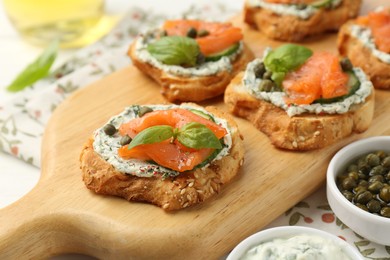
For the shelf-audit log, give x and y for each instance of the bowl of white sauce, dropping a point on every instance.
(294, 242)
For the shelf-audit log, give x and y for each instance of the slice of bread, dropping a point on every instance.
(299, 132)
(362, 56)
(294, 29)
(171, 193)
(195, 88)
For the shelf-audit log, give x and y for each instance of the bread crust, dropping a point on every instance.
(196, 88)
(185, 190)
(294, 29)
(302, 132)
(361, 56)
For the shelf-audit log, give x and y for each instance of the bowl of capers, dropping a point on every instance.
(358, 187)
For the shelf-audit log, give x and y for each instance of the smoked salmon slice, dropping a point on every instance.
(167, 154)
(220, 35)
(176, 117)
(379, 23)
(321, 76)
(172, 155)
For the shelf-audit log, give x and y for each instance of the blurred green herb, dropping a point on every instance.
(36, 70)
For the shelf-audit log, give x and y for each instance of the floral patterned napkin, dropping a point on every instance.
(23, 117)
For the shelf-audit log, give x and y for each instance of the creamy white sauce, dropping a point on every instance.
(300, 247)
(364, 35)
(251, 84)
(286, 9)
(107, 146)
(205, 69)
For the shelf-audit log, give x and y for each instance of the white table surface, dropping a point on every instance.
(17, 178)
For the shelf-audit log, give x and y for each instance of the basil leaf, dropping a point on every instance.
(153, 134)
(284, 59)
(196, 135)
(175, 50)
(36, 70)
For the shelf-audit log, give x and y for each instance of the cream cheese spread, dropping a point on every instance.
(364, 35)
(107, 146)
(300, 247)
(204, 69)
(287, 9)
(251, 84)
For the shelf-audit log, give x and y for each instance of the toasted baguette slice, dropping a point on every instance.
(295, 29)
(196, 88)
(187, 189)
(361, 56)
(302, 132)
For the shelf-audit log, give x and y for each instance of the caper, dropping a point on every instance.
(301, 6)
(192, 33)
(365, 169)
(386, 162)
(200, 58)
(203, 33)
(259, 70)
(109, 129)
(346, 64)
(163, 33)
(363, 197)
(381, 154)
(348, 183)
(359, 189)
(374, 206)
(362, 206)
(125, 140)
(144, 110)
(385, 211)
(373, 159)
(352, 168)
(377, 170)
(363, 183)
(366, 182)
(353, 175)
(384, 194)
(362, 176)
(266, 85)
(361, 160)
(375, 178)
(348, 195)
(375, 187)
(267, 75)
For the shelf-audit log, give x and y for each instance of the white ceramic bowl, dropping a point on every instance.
(370, 226)
(286, 232)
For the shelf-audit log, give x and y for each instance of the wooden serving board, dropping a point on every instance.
(60, 215)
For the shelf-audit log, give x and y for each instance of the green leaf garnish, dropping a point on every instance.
(36, 70)
(196, 135)
(175, 50)
(154, 134)
(193, 135)
(284, 59)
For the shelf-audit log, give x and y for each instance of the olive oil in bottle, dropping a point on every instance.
(72, 22)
